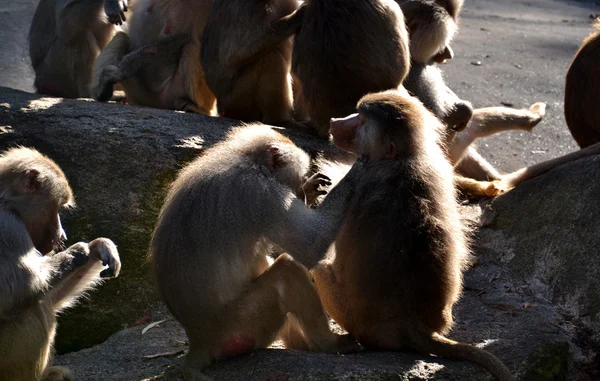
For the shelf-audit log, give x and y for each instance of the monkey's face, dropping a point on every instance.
(45, 228)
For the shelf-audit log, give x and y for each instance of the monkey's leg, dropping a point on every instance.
(473, 165)
(204, 101)
(331, 293)
(513, 179)
(285, 288)
(492, 120)
(106, 69)
(475, 189)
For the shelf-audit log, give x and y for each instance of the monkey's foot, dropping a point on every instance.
(57, 373)
(539, 111)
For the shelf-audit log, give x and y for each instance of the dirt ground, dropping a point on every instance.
(524, 47)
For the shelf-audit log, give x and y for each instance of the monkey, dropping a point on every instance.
(35, 282)
(65, 38)
(582, 92)
(247, 67)
(343, 50)
(157, 62)
(398, 260)
(431, 24)
(223, 213)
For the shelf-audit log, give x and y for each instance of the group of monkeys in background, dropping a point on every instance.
(378, 226)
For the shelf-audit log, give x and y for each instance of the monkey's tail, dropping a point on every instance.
(441, 346)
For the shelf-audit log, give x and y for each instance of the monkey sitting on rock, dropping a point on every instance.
(35, 284)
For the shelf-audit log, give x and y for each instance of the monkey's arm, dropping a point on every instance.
(85, 271)
(23, 273)
(74, 17)
(307, 233)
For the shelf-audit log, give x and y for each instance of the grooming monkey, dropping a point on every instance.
(35, 285)
(65, 38)
(158, 61)
(211, 267)
(582, 91)
(247, 67)
(401, 251)
(344, 50)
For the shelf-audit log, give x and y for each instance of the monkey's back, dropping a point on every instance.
(401, 250)
(582, 92)
(339, 54)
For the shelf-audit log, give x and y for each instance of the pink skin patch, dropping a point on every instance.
(150, 9)
(167, 29)
(237, 345)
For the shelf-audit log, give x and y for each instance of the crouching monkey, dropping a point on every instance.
(65, 38)
(209, 251)
(35, 286)
(401, 252)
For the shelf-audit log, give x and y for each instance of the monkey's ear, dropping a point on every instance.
(274, 156)
(32, 183)
(392, 152)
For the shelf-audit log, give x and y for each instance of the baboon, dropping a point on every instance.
(344, 50)
(223, 214)
(158, 61)
(401, 251)
(582, 91)
(35, 284)
(248, 67)
(65, 38)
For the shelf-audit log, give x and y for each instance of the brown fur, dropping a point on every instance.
(582, 91)
(344, 50)
(401, 252)
(35, 286)
(158, 60)
(431, 26)
(247, 67)
(65, 38)
(211, 267)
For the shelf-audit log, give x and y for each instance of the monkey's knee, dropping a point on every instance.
(460, 115)
(58, 373)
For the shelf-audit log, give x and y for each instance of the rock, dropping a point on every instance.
(537, 312)
(119, 160)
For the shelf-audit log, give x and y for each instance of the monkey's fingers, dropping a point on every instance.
(321, 176)
(106, 251)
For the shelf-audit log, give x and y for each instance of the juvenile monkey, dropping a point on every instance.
(158, 61)
(582, 91)
(211, 267)
(402, 250)
(247, 67)
(344, 50)
(35, 285)
(65, 38)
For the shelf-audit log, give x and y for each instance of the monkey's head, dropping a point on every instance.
(431, 29)
(387, 125)
(272, 151)
(34, 188)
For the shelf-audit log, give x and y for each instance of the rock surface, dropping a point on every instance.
(524, 300)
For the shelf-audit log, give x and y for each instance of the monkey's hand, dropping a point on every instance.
(316, 185)
(115, 11)
(103, 249)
